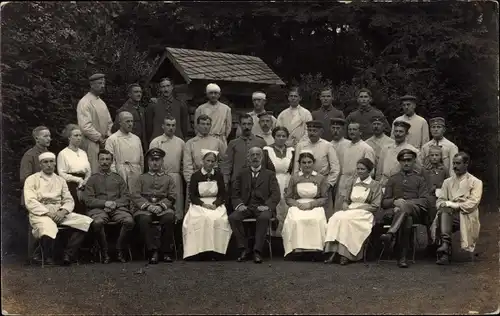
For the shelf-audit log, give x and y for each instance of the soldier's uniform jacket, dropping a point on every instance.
(153, 189)
(102, 187)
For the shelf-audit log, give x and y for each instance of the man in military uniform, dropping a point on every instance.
(108, 199)
(154, 197)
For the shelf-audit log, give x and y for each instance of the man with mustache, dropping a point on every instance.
(379, 139)
(458, 209)
(327, 112)
(133, 105)
(419, 133)
(50, 204)
(94, 120)
(128, 157)
(255, 194)
(405, 202)
(166, 105)
(266, 123)
(388, 163)
(365, 113)
(108, 199)
(235, 158)
(294, 118)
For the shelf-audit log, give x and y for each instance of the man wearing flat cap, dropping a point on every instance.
(153, 197)
(327, 162)
(220, 113)
(49, 204)
(365, 112)
(388, 163)
(327, 112)
(405, 202)
(259, 102)
(448, 149)
(94, 120)
(379, 139)
(419, 132)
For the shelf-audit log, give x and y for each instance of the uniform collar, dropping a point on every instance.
(256, 169)
(159, 173)
(46, 177)
(365, 181)
(314, 173)
(252, 136)
(204, 172)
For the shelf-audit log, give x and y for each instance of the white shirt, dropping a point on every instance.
(70, 161)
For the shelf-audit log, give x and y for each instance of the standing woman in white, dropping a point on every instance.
(349, 227)
(280, 156)
(73, 165)
(304, 228)
(206, 227)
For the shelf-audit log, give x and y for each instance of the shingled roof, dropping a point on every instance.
(203, 65)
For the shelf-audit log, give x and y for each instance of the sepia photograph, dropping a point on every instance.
(250, 157)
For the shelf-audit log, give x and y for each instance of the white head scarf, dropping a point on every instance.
(46, 155)
(204, 152)
(212, 87)
(259, 95)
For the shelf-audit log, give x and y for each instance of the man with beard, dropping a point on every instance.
(355, 150)
(94, 120)
(235, 158)
(133, 106)
(107, 199)
(294, 118)
(448, 149)
(255, 194)
(388, 163)
(327, 163)
(50, 204)
(327, 112)
(127, 150)
(419, 133)
(219, 112)
(365, 113)
(378, 140)
(30, 165)
(458, 209)
(166, 105)
(172, 163)
(404, 203)
(259, 102)
(266, 123)
(153, 197)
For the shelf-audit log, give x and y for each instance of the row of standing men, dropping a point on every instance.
(279, 144)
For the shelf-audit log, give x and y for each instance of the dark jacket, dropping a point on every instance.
(266, 191)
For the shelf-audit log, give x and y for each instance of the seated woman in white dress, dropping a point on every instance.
(279, 157)
(304, 228)
(206, 227)
(349, 227)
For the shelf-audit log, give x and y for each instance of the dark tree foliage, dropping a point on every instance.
(444, 53)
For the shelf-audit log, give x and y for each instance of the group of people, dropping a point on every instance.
(296, 175)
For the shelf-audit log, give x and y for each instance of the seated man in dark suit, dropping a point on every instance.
(405, 202)
(255, 194)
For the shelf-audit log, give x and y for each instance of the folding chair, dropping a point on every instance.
(413, 242)
(31, 250)
(157, 224)
(268, 235)
(96, 244)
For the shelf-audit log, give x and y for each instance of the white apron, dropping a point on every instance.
(304, 229)
(203, 229)
(45, 226)
(351, 227)
(281, 165)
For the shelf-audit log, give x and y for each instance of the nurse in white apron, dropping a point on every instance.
(350, 227)
(206, 227)
(304, 228)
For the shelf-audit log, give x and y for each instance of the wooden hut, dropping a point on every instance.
(237, 75)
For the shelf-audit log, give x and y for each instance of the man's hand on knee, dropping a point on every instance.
(262, 208)
(399, 203)
(242, 208)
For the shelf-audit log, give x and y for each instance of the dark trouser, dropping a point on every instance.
(166, 221)
(75, 240)
(401, 220)
(73, 189)
(448, 222)
(101, 218)
(262, 224)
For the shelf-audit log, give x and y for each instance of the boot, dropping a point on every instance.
(344, 261)
(402, 262)
(444, 248)
(120, 257)
(444, 259)
(154, 257)
(105, 257)
(47, 245)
